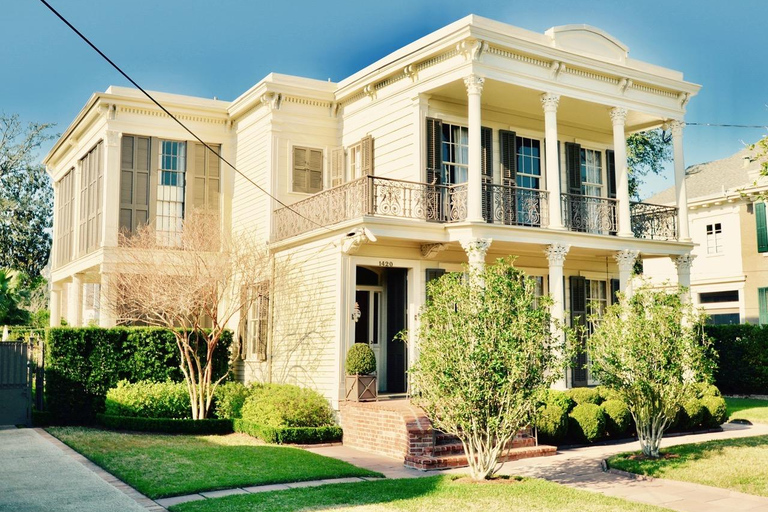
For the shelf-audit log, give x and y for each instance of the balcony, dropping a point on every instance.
(505, 205)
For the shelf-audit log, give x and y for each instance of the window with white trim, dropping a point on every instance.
(714, 238)
(528, 152)
(170, 191)
(597, 300)
(257, 322)
(355, 154)
(455, 150)
(591, 172)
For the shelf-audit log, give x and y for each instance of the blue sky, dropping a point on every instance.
(206, 48)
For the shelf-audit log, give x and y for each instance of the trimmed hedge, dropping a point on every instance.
(587, 422)
(83, 363)
(285, 405)
(552, 424)
(166, 425)
(742, 358)
(618, 420)
(230, 397)
(147, 399)
(289, 435)
(585, 395)
(717, 411)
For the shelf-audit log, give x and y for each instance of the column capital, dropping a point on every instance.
(683, 262)
(476, 248)
(618, 116)
(474, 84)
(556, 254)
(676, 127)
(626, 259)
(549, 102)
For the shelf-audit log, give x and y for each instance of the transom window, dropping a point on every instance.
(455, 148)
(528, 152)
(714, 238)
(591, 172)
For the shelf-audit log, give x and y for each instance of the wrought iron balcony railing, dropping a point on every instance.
(653, 221)
(515, 206)
(511, 206)
(589, 214)
(372, 195)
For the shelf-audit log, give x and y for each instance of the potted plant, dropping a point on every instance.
(360, 364)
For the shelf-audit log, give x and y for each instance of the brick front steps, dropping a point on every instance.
(398, 429)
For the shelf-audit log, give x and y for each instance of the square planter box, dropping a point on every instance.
(361, 388)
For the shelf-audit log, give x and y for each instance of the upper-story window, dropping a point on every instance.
(170, 191)
(714, 238)
(528, 152)
(91, 194)
(65, 200)
(307, 170)
(591, 172)
(455, 154)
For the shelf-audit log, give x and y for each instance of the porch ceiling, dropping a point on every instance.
(526, 102)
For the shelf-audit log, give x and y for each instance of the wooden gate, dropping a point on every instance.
(15, 384)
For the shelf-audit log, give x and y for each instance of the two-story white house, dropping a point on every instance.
(729, 275)
(477, 141)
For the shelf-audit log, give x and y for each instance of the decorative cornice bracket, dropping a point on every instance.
(429, 251)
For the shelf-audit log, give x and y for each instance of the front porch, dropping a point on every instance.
(398, 429)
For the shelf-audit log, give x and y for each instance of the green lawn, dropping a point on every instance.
(167, 465)
(431, 494)
(750, 409)
(735, 464)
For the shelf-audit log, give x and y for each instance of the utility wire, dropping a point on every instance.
(726, 125)
(76, 31)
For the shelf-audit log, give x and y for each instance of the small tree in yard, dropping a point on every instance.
(191, 284)
(650, 349)
(486, 352)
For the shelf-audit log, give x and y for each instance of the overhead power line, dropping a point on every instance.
(218, 155)
(764, 127)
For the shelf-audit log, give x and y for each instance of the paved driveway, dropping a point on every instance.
(37, 476)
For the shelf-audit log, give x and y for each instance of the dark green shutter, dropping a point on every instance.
(434, 150)
(762, 304)
(135, 182)
(614, 291)
(486, 140)
(762, 228)
(610, 160)
(573, 167)
(432, 274)
(579, 318)
(508, 159)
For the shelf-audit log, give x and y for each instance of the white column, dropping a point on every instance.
(556, 256)
(110, 208)
(55, 305)
(680, 190)
(619, 117)
(75, 306)
(626, 261)
(683, 264)
(107, 315)
(476, 249)
(549, 103)
(475, 180)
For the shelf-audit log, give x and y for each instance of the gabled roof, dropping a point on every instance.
(718, 178)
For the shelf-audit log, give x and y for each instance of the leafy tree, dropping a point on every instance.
(12, 294)
(646, 154)
(651, 350)
(486, 353)
(26, 197)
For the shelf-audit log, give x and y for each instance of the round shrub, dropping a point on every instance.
(230, 398)
(146, 399)
(587, 422)
(607, 394)
(360, 360)
(717, 411)
(584, 395)
(703, 389)
(285, 405)
(618, 419)
(559, 399)
(552, 424)
(692, 414)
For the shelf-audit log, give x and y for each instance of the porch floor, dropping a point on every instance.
(398, 429)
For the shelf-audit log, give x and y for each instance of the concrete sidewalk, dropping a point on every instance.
(580, 468)
(36, 475)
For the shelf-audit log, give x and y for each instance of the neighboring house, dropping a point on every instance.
(478, 141)
(729, 275)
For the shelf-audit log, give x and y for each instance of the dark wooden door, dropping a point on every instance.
(397, 354)
(15, 384)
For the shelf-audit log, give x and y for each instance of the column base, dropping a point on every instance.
(626, 234)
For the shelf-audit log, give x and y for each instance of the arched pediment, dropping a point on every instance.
(590, 41)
